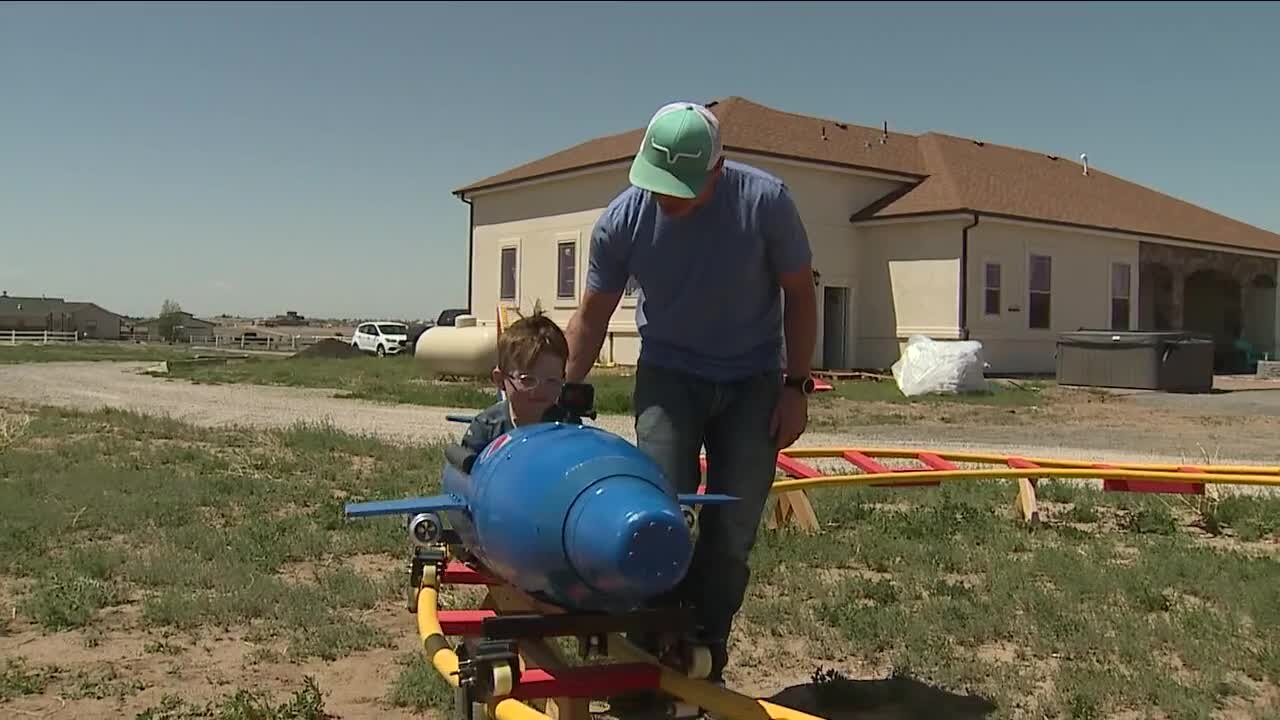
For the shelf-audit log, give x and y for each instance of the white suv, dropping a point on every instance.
(381, 338)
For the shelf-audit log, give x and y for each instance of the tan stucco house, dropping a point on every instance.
(912, 234)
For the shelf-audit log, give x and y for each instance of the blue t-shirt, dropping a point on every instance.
(709, 302)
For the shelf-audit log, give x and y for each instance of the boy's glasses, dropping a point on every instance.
(525, 381)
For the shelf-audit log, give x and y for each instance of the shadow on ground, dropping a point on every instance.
(895, 698)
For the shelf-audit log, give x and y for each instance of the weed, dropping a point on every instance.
(305, 704)
(17, 679)
(419, 686)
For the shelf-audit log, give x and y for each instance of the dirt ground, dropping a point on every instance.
(1238, 424)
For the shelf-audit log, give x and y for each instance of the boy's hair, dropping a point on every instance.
(520, 345)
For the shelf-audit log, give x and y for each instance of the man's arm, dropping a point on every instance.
(800, 320)
(586, 331)
(792, 260)
(607, 275)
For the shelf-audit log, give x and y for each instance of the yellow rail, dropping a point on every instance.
(917, 476)
(996, 459)
(724, 703)
(793, 502)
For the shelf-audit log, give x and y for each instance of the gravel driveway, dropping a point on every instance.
(93, 385)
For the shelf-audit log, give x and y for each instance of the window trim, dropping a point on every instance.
(512, 244)
(999, 288)
(573, 238)
(1032, 256)
(1112, 297)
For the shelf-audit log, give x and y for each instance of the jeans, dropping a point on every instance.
(676, 414)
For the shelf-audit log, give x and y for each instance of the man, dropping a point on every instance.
(710, 244)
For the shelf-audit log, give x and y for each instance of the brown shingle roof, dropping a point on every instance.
(744, 126)
(955, 174)
(999, 180)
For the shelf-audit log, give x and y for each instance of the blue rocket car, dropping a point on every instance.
(570, 514)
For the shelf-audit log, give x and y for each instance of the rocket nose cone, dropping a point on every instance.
(626, 537)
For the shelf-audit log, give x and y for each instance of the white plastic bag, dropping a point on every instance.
(928, 366)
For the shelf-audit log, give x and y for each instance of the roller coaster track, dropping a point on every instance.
(938, 466)
(567, 689)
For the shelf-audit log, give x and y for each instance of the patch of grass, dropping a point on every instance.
(18, 679)
(1023, 394)
(90, 351)
(198, 526)
(950, 585)
(418, 686)
(401, 380)
(1251, 517)
(395, 379)
(305, 704)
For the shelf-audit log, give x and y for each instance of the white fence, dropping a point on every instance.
(269, 343)
(43, 337)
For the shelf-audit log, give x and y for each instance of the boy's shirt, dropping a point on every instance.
(496, 420)
(488, 426)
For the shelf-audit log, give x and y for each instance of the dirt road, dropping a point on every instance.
(1131, 429)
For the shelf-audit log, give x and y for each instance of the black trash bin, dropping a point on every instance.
(1168, 361)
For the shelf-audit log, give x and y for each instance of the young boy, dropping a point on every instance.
(531, 362)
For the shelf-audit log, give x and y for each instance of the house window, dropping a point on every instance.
(991, 289)
(631, 288)
(1041, 281)
(507, 282)
(1120, 296)
(566, 269)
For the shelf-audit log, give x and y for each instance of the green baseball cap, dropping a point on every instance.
(680, 148)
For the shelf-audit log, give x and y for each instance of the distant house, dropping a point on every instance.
(35, 314)
(186, 326)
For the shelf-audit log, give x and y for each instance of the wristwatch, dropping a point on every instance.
(803, 384)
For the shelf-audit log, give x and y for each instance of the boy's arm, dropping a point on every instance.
(477, 436)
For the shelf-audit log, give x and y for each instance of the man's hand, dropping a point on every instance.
(790, 417)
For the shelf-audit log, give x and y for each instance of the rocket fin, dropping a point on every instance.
(407, 506)
(696, 499)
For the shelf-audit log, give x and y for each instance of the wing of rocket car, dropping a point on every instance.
(692, 499)
(407, 506)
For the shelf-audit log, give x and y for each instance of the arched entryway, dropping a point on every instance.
(1211, 304)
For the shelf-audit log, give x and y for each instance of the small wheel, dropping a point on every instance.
(690, 517)
(699, 662)
(503, 679)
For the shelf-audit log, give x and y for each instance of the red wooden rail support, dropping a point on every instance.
(456, 573)
(463, 623)
(1153, 486)
(1026, 502)
(589, 681)
(794, 504)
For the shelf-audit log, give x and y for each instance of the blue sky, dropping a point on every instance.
(254, 158)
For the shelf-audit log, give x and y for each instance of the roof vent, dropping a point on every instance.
(824, 132)
(1052, 157)
(1084, 160)
(842, 126)
(979, 143)
(884, 134)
